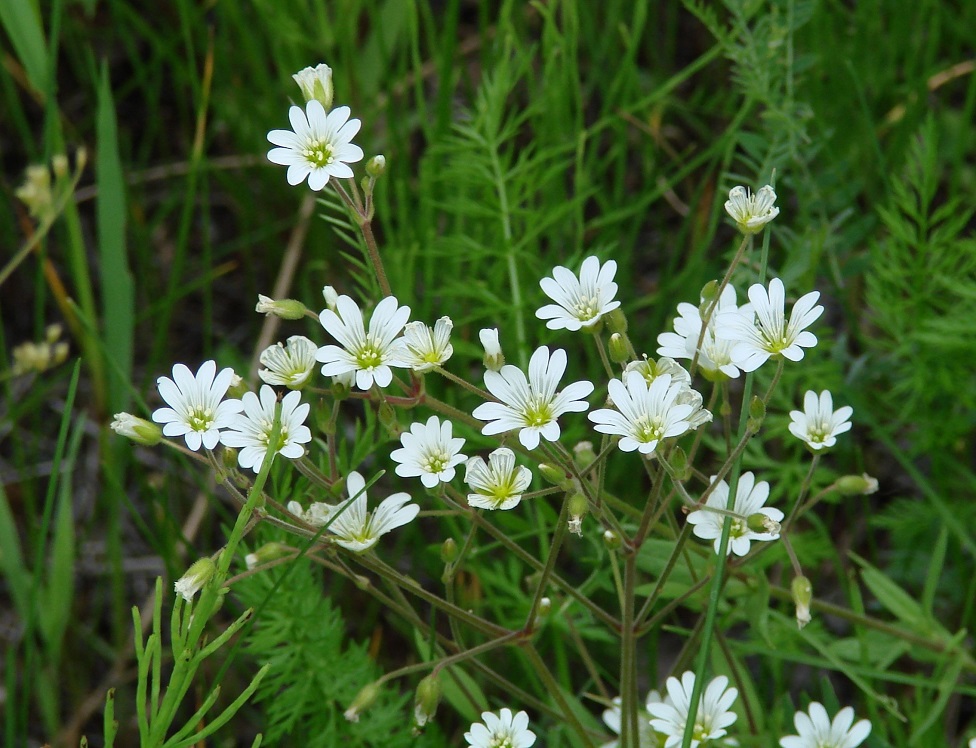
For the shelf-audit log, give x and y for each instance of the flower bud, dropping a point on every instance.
(856, 485)
(616, 321)
(266, 554)
(138, 430)
(802, 597)
(376, 166)
(363, 701)
(388, 419)
(284, 308)
(195, 578)
(494, 358)
(611, 540)
(757, 414)
(426, 699)
(619, 350)
(229, 457)
(237, 387)
(578, 508)
(316, 83)
(679, 464)
(545, 606)
(584, 455)
(449, 551)
(709, 292)
(557, 477)
(59, 165)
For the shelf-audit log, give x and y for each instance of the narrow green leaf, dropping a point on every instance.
(12, 561)
(22, 23)
(118, 295)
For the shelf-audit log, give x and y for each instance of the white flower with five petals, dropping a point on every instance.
(250, 431)
(195, 409)
(429, 451)
(751, 211)
(499, 484)
(353, 526)
(816, 730)
(502, 730)
(288, 365)
(714, 356)
(818, 424)
(750, 500)
(643, 415)
(531, 404)
(770, 333)
(582, 301)
(369, 354)
(423, 348)
(318, 146)
(711, 719)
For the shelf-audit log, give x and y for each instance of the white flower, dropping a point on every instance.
(532, 404)
(819, 424)
(316, 83)
(195, 409)
(423, 348)
(499, 484)
(494, 358)
(643, 415)
(647, 736)
(770, 334)
(715, 353)
(250, 432)
(355, 528)
(750, 498)
(320, 146)
(817, 731)
(713, 714)
(651, 370)
(429, 451)
(196, 577)
(289, 365)
(370, 354)
(580, 302)
(502, 730)
(751, 211)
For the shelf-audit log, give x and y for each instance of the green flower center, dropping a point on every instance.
(318, 152)
(586, 307)
(369, 355)
(201, 419)
(649, 429)
(435, 462)
(501, 741)
(739, 528)
(538, 413)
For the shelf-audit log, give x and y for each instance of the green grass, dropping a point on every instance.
(518, 136)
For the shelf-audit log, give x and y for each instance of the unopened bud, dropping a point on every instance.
(195, 578)
(388, 419)
(545, 606)
(709, 291)
(363, 701)
(426, 699)
(578, 508)
(583, 455)
(757, 411)
(229, 457)
(611, 540)
(237, 387)
(52, 333)
(802, 597)
(138, 430)
(759, 522)
(316, 83)
(557, 477)
(494, 358)
(616, 321)
(284, 308)
(59, 165)
(376, 166)
(619, 350)
(856, 485)
(679, 464)
(342, 385)
(266, 554)
(449, 551)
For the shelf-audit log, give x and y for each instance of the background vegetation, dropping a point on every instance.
(518, 136)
